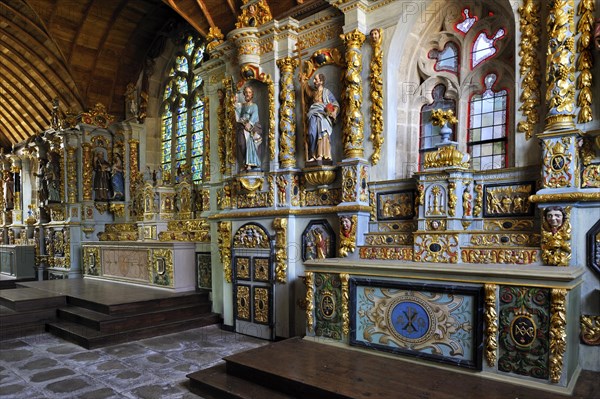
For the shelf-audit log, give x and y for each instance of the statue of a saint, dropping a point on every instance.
(52, 176)
(118, 179)
(320, 118)
(249, 131)
(101, 178)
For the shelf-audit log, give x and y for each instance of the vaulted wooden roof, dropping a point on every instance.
(85, 52)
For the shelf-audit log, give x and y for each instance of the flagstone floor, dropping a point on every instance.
(44, 366)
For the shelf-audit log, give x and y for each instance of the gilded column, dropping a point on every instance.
(221, 134)
(87, 171)
(585, 61)
(72, 175)
(310, 297)
(281, 256)
(345, 277)
(529, 66)
(229, 123)
(224, 231)
(491, 324)
(376, 91)
(560, 65)
(206, 166)
(558, 335)
(353, 125)
(287, 114)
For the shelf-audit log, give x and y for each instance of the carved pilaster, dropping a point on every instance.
(224, 231)
(287, 114)
(72, 174)
(491, 324)
(529, 66)
(281, 256)
(344, 277)
(560, 65)
(87, 170)
(206, 166)
(353, 122)
(558, 335)
(310, 297)
(376, 93)
(585, 62)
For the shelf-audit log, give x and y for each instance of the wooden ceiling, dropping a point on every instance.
(85, 52)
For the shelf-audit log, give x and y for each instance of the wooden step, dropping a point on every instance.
(17, 324)
(215, 383)
(126, 308)
(91, 338)
(109, 322)
(24, 299)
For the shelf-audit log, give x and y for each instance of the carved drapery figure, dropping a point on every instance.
(52, 176)
(101, 178)
(321, 116)
(9, 191)
(249, 131)
(118, 179)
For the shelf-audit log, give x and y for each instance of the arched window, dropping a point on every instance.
(471, 53)
(430, 134)
(182, 119)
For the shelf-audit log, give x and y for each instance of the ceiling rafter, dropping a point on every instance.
(102, 43)
(16, 73)
(24, 63)
(17, 101)
(86, 14)
(18, 96)
(204, 10)
(41, 46)
(232, 7)
(40, 108)
(18, 119)
(187, 17)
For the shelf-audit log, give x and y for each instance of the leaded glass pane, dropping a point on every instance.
(197, 164)
(430, 134)
(182, 64)
(189, 46)
(447, 59)
(182, 84)
(483, 47)
(199, 55)
(467, 23)
(197, 82)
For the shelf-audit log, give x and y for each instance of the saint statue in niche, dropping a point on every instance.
(118, 179)
(101, 178)
(320, 118)
(249, 131)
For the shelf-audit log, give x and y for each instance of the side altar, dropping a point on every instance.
(156, 264)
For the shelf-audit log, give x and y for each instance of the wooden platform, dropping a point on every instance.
(96, 313)
(298, 368)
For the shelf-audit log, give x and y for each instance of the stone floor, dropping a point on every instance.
(44, 366)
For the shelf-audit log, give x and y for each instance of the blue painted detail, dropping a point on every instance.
(410, 320)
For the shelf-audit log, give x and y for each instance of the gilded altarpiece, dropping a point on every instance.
(328, 300)
(429, 321)
(523, 331)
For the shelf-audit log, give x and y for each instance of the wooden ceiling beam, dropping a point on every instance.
(232, 7)
(16, 73)
(102, 44)
(33, 99)
(204, 10)
(24, 110)
(185, 16)
(86, 14)
(28, 64)
(17, 120)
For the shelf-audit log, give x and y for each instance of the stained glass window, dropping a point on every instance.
(487, 127)
(447, 59)
(182, 131)
(467, 22)
(483, 47)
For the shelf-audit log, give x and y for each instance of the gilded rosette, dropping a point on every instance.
(585, 61)
(353, 122)
(560, 65)
(529, 66)
(287, 114)
(558, 334)
(491, 324)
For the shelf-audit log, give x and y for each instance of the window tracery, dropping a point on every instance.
(455, 60)
(182, 119)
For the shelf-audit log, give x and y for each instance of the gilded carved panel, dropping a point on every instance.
(506, 200)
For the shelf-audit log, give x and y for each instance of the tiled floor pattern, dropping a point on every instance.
(44, 366)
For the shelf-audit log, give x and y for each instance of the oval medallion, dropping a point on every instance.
(523, 331)
(327, 305)
(410, 320)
